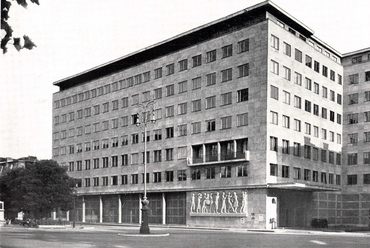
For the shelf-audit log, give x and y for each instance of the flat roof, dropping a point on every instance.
(181, 41)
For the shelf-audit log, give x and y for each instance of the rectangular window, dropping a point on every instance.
(366, 178)
(307, 151)
(286, 97)
(353, 99)
(226, 98)
(325, 71)
(243, 70)
(287, 49)
(273, 144)
(353, 78)
(170, 90)
(226, 75)
(298, 55)
(306, 175)
(134, 178)
(181, 175)
(367, 76)
(297, 149)
(332, 75)
(316, 66)
(158, 93)
(211, 56)
(183, 86)
(182, 130)
(242, 119)
(182, 108)
(286, 121)
(124, 158)
(352, 179)
(275, 42)
(285, 148)
(297, 78)
(297, 102)
(308, 84)
(315, 176)
(297, 173)
(367, 96)
(323, 177)
(157, 177)
(227, 51)
(225, 171)
(169, 176)
(316, 109)
(274, 170)
(183, 65)
(274, 67)
(195, 174)
(226, 122)
(170, 111)
(366, 136)
(211, 79)
(308, 61)
(158, 73)
(297, 125)
(211, 125)
(197, 83)
(243, 46)
(196, 127)
(316, 88)
(196, 105)
(307, 106)
(169, 154)
(353, 118)
(210, 172)
(274, 117)
(274, 92)
(287, 73)
(197, 60)
(170, 69)
(352, 158)
(241, 171)
(210, 102)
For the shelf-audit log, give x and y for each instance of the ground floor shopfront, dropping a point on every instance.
(262, 208)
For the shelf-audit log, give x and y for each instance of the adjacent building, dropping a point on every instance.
(248, 132)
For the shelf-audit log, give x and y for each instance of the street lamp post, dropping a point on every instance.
(147, 117)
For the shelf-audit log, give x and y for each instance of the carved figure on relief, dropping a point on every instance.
(199, 207)
(211, 203)
(206, 202)
(192, 208)
(229, 203)
(217, 198)
(244, 207)
(223, 205)
(235, 202)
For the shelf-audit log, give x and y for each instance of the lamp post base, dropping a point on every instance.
(144, 229)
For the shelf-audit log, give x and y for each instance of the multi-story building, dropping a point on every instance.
(248, 127)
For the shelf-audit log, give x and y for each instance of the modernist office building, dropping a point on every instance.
(249, 115)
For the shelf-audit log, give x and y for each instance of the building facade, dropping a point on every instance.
(248, 131)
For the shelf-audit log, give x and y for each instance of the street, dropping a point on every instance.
(102, 236)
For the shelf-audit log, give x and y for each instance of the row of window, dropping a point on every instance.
(354, 98)
(308, 175)
(242, 95)
(211, 56)
(310, 42)
(309, 62)
(353, 138)
(309, 151)
(352, 179)
(169, 176)
(352, 158)
(359, 59)
(354, 78)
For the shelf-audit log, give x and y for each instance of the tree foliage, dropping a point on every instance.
(5, 7)
(37, 189)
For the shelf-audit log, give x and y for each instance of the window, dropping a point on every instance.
(105, 125)
(125, 102)
(357, 59)
(316, 109)
(274, 117)
(157, 134)
(182, 108)
(298, 55)
(308, 84)
(197, 60)
(243, 70)
(96, 145)
(366, 178)
(297, 173)
(323, 177)
(182, 152)
(241, 171)
(170, 90)
(225, 171)
(306, 175)
(274, 170)
(297, 149)
(242, 119)
(274, 92)
(325, 71)
(210, 102)
(170, 111)
(307, 151)
(182, 130)
(315, 176)
(323, 156)
(332, 75)
(226, 98)
(170, 69)
(226, 122)
(157, 177)
(196, 127)
(286, 97)
(353, 79)
(183, 86)
(158, 73)
(366, 136)
(352, 158)
(227, 51)
(324, 113)
(96, 181)
(96, 163)
(184, 64)
(287, 49)
(339, 99)
(353, 99)
(307, 106)
(351, 179)
(353, 118)
(367, 76)
(124, 158)
(308, 61)
(211, 79)
(286, 121)
(243, 46)
(274, 67)
(196, 105)
(297, 102)
(297, 78)
(134, 178)
(195, 174)
(316, 88)
(323, 133)
(210, 172)
(285, 148)
(316, 66)
(211, 125)
(297, 125)
(181, 175)
(211, 56)
(158, 93)
(287, 73)
(124, 179)
(275, 42)
(169, 132)
(169, 176)
(105, 162)
(134, 138)
(197, 83)
(339, 138)
(366, 157)
(226, 75)
(169, 154)
(367, 96)
(273, 144)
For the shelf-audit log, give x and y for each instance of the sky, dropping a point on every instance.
(74, 36)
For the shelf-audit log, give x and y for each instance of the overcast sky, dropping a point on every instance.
(73, 36)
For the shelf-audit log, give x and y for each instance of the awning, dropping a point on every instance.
(301, 186)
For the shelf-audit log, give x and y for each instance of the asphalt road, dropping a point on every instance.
(123, 237)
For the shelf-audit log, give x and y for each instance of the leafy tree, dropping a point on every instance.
(5, 7)
(37, 189)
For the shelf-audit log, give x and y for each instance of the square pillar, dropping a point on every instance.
(100, 209)
(83, 210)
(163, 208)
(119, 209)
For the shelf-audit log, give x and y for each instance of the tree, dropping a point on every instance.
(27, 43)
(37, 189)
